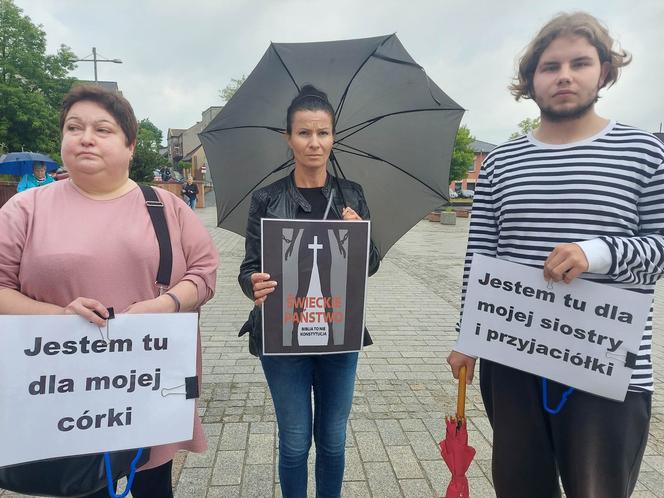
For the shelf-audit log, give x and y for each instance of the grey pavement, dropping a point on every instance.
(404, 387)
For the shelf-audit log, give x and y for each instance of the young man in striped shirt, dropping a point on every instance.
(580, 195)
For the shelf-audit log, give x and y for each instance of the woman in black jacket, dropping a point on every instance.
(304, 194)
(190, 192)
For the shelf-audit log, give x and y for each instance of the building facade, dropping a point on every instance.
(184, 145)
(481, 149)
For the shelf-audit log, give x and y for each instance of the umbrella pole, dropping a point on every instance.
(335, 164)
(461, 396)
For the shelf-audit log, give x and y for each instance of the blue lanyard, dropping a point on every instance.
(130, 477)
(562, 402)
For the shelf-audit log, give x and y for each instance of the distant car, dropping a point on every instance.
(61, 174)
(469, 194)
(453, 194)
(177, 177)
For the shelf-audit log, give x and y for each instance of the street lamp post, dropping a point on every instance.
(94, 60)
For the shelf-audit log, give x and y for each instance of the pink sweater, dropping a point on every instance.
(57, 245)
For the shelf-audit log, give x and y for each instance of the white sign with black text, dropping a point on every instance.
(579, 334)
(68, 387)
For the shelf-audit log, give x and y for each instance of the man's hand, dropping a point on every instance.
(566, 262)
(262, 286)
(457, 360)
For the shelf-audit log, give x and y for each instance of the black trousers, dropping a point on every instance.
(594, 444)
(152, 483)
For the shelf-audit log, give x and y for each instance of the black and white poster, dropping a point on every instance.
(321, 271)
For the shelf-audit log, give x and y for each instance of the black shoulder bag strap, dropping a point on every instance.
(156, 211)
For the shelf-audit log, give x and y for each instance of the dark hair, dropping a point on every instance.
(309, 99)
(114, 103)
(574, 24)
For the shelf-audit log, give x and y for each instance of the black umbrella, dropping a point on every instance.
(395, 130)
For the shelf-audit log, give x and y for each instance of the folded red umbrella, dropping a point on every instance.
(454, 448)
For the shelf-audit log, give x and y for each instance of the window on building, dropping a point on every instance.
(471, 166)
(470, 186)
(458, 186)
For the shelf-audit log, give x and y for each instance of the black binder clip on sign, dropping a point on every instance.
(628, 358)
(111, 315)
(189, 389)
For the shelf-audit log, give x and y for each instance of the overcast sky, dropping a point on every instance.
(178, 54)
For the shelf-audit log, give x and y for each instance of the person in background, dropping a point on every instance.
(37, 178)
(109, 256)
(190, 191)
(165, 173)
(581, 196)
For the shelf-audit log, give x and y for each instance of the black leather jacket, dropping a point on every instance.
(282, 199)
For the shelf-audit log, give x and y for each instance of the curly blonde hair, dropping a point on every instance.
(572, 24)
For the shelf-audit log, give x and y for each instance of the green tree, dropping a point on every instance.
(463, 155)
(229, 90)
(146, 155)
(32, 84)
(525, 126)
(155, 133)
(185, 168)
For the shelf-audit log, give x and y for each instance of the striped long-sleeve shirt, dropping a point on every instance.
(532, 196)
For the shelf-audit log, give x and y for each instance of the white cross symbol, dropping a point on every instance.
(315, 246)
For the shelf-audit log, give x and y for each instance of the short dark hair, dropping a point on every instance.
(114, 103)
(574, 24)
(310, 98)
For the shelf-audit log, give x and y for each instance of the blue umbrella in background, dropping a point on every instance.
(20, 163)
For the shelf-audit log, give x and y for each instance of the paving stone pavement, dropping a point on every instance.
(403, 390)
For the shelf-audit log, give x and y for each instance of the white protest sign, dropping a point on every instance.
(578, 334)
(64, 390)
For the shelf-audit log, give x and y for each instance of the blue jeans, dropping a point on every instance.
(190, 201)
(291, 379)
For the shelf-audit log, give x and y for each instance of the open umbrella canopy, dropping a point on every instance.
(394, 135)
(20, 163)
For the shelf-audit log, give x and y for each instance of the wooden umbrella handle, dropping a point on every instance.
(461, 396)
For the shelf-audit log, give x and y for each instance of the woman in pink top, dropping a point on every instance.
(81, 245)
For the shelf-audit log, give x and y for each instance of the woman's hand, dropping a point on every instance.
(161, 304)
(262, 286)
(457, 360)
(349, 214)
(184, 291)
(86, 308)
